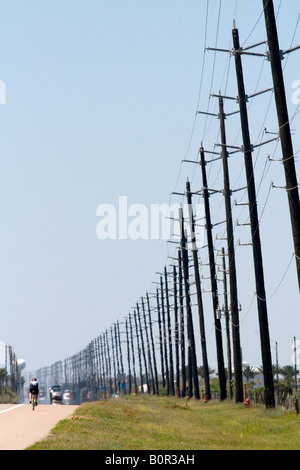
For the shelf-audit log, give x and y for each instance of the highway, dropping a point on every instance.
(21, 427)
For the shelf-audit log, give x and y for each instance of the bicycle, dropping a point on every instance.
(34, 401)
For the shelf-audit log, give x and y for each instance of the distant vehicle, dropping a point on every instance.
(55, 393)
(66, 397)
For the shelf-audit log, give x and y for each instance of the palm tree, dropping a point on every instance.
(288, 373)
(249, 372)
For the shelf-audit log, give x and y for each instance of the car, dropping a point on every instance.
(55, 393)
(66, 397)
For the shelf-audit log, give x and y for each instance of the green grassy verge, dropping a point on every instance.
(154, 423)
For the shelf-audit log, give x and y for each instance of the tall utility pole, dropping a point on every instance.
(121, 357)
(171, 365)
(148, 349)
(132, 353)
(199, 294)
(160, 339)
(117, 361)
(213, 280)
(166, 369)
(152, 344)
(128, 357)
(176, 331)
(192, 359)
(227, 322)
(139, 351)
(181, 316)
(284, 127)
(103, 367)
(143, 349)
(234, 305)
(257, 253)
(114, 360)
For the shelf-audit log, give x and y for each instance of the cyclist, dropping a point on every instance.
(33, 389)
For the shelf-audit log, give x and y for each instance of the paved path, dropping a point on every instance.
(20, 426)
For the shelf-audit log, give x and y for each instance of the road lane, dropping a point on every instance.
(21, 427)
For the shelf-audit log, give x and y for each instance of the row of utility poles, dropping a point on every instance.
(274, 55)
(101, 364)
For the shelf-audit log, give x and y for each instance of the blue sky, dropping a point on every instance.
(101, 99)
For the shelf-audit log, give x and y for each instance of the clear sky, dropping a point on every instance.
(101, 101)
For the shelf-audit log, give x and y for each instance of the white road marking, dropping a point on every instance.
(12, 408)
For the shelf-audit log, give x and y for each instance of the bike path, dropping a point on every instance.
(21, 427)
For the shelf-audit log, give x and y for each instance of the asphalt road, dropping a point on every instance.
(20, 426)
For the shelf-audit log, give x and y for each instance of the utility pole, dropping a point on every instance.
(198, 291)
(160, 339)
(171, 369)
(227, 323)
(103, 367)
(152, 343)
(148, 348)
(114, 360)
(121, 357)
(192, 363)
(284, 127)
(166, 370)
(257, 253)
(176, 330)
(234, 306)
(139, 351)
(117, 361)
(128, 357)
(213, 279)
(143, 349)
(132, 353)
(108, 361)
(181, 316)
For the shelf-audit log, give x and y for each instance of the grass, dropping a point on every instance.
(154, 423)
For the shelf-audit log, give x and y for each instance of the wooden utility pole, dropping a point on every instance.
(143, 349)
(114, 360)
(171, 365)
(192, 362)
(152, 344)
(160, 339)
(176, 330)
(132, 354)
(164, 334)
(117, 361)
(257, 253)
(198, 291)
(108, 362)
(148, 349)
(227, 322)
(181, 316)
(128, 357)
(103, 366)
(213, 280)
(234, 304)
(139, 351)
(284, 127)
